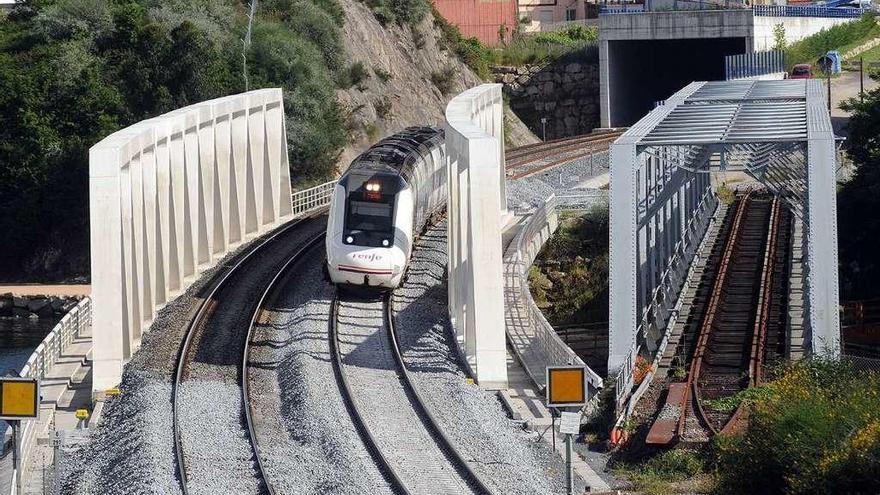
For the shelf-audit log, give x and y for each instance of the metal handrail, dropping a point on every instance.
(308, 200)
(40, 362)
(556, 350)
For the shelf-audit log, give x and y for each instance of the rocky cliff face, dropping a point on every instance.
(566, 93)
(399, 92)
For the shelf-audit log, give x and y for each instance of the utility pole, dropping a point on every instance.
(862, 79)
(246, 44)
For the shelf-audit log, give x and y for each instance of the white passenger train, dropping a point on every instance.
(381, 204)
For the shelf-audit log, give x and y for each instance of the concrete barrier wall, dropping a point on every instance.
(796, 28)
(169, 197)
(476, 205)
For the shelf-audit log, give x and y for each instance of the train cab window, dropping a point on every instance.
(369, 212)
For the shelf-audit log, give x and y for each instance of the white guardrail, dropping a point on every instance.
(308, 200)
(40, 361)
(529, 242)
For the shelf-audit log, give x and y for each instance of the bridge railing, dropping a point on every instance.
(307, 200)
(807, 11)
(753, 64)
(40, 361)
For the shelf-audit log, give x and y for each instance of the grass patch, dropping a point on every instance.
(841, 37)
(730, 403)
(663, 473)
(726, 194)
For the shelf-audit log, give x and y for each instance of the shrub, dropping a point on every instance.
(815, 430)
(372, 131)
(382, 106)
(355, 75)
(444, 79)
(402, 12)
(382, 74)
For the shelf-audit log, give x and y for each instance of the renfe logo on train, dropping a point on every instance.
(367, 256)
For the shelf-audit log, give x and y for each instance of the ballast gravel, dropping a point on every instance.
(509, 459)
(531, 191)
(315, 449)
(131, 451)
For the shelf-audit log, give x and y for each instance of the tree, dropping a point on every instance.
(779, 37)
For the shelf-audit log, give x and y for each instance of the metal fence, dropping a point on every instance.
(308, 200)
(804, 11)
(862, 363)
(40, 362)
(548, 340)
(753, 64)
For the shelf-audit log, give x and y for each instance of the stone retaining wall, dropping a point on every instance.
(566, 93)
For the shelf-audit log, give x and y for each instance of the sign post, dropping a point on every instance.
(19, 400)
(567, 388)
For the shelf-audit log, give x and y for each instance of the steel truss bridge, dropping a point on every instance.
(662, 200)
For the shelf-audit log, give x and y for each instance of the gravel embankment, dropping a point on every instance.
(562, 181)
(511, 460)
(315, 447)
(131, 451)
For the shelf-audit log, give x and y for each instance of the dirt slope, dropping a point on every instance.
(379, 108)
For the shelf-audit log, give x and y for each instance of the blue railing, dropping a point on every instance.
(753, 64)
(804, 11)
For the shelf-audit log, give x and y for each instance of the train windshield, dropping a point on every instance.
(369, 212)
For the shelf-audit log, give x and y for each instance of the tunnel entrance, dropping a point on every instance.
(641, 72)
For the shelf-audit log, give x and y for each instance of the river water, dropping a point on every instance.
(18, 339)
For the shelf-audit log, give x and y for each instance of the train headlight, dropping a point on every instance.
(349, 240)
(385, 242)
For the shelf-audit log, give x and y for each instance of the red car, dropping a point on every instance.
(801, 71)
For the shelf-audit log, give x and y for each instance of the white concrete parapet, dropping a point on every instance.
(476, 203)
(168, 197)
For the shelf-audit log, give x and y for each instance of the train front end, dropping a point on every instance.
(365, 239)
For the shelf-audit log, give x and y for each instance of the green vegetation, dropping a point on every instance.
(569, 279)
(382, 74)
(74, 71)
(518, 50)
(730, 403)
(779, 42)
(725, 194)
(816, 429)
(382, 106)
(444, 79)
(662, 474)
(858, 202)
(356, 75)
(842, 37)
(402, 12)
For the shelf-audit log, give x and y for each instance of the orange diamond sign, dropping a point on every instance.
(19, 398)
(566, 386)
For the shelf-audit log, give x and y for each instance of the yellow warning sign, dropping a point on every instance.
(19, 398)
(566, 386)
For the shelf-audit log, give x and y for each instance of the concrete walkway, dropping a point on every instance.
(66, 387)
(523, 397)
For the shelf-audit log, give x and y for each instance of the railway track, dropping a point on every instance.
(742, 325)
(214, 358)
(394, 422)
(539, 157)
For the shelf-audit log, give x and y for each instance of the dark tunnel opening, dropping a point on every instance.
(642, 72)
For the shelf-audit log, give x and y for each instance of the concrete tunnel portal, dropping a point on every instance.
(642, 72)
(646, 57)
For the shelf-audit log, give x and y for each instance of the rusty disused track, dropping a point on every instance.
(730, 351)
(743, 324)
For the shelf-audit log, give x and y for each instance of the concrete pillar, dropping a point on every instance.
(476, 203)
(622, 270)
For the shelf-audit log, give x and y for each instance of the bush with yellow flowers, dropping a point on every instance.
(815, 430)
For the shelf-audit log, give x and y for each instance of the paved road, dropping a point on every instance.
(844, 87)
